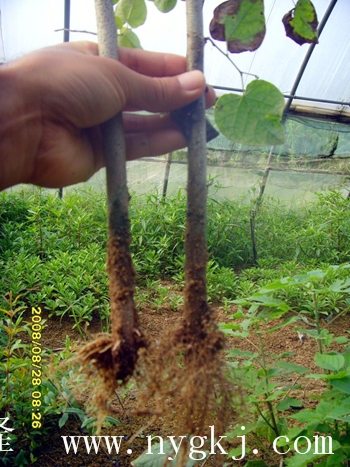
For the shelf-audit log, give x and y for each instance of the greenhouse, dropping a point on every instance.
(179, 307)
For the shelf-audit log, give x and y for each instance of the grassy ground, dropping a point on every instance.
(52, 256)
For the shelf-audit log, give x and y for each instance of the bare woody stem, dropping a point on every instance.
(196, 307)
(119, 263)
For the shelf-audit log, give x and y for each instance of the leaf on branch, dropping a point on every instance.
(301, 23)
(254, 118)
(133, 12)
(127, 38)
(330, 362)
(165, 5)
(241, 23)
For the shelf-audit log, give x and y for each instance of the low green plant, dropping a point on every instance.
(160, 297)
(59, 402)
(176, 301)
(43, 238)
(329, 419)
(221, 282)
(16, 383)
(258, 373)
(254, 371)
(313, 295)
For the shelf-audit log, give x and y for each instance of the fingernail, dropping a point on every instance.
(191, 80)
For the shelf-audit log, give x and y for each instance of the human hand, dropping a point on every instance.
(55, 99)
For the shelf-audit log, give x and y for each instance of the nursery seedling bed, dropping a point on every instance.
(156, 323)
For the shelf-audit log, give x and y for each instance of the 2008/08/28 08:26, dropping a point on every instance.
(36, 350)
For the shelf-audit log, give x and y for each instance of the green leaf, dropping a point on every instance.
(341, 411)
(253, 118)
(330, 362)
(88, 421)
(241, 23)
(301, 23)
(165, 5)
(303, 460)
(305, 20)
(113, 420)
(158, 459)
(263, 388)
(129, 39)
(282, 425)
(62, 421)
(291, 434)
(336, 459)
(289, 403)
(341, 340)
(324, 408)
(133, 12)
(347, 359)
(340, 375)
(268, 300)
(308, 416)
(340, 286)
(325, 412)
(247, 26)
(285, 323)
(242, 354)
(342, 384)
(294, 368)
(119, 22)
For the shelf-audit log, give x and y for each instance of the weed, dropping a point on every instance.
(16, 381)
(266, 400)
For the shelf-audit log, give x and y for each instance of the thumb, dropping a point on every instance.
(161, 94)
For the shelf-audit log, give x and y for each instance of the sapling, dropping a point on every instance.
(184, 371)
(115, 356)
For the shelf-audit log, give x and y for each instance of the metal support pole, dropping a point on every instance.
(166, 174)
(65, 39)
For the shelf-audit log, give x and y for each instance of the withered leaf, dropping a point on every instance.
(301, 23)
(240, 23)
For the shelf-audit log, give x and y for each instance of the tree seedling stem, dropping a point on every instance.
(115, 356)
(195, 244)
(317, 321)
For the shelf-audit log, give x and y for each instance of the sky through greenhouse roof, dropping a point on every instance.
(30, 24)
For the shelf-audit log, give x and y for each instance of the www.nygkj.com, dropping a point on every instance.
(196, 447)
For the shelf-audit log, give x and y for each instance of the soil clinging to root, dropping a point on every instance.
(110, 360)
(185, 378)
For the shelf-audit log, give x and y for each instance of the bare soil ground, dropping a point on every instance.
(134, 429)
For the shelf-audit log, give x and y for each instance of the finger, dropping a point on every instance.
(151, 144)
(141, 61)
(210, 99)
(159, 94)
(152, 63)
